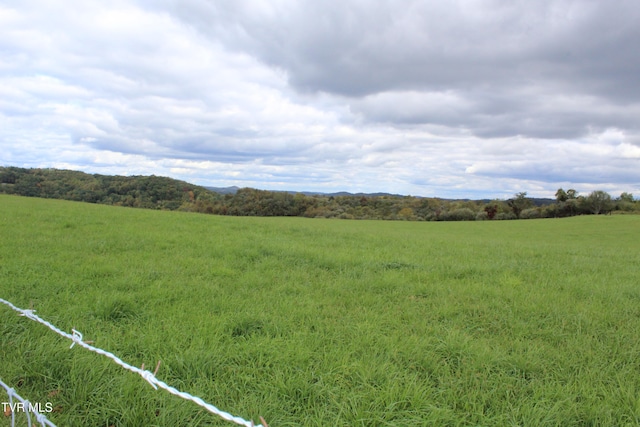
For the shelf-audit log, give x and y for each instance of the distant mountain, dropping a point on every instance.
(224, 190)
(537, 201)
(347, 194)
(542, 202)
(234, 190)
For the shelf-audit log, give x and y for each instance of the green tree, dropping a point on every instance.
(406, 214)
(566, 203)
(561, 195)
(598, 202)
(9, 175)
(519, 203)
(626, 197)
(625, 202)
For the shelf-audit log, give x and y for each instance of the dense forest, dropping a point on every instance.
(155, 192)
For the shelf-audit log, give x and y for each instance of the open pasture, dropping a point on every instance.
(311, 322)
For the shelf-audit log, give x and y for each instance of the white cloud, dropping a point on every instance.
(433, 98)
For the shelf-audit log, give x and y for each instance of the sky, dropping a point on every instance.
(456, 99)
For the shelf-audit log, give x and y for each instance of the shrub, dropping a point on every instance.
(506, 215)
(530, 213)
(462, 214)
(482, 216)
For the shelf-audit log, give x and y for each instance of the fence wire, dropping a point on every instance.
(76, 338)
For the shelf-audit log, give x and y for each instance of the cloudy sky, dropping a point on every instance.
(477, 98)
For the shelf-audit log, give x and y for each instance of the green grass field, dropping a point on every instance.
(311, 322)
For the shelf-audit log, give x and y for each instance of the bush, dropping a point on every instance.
(506, 215)
(625, 206)
(530, 214)
(482, 216)
(462, 214)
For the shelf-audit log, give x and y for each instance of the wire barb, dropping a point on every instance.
(155, 371)
(75, 337)
(149, 377)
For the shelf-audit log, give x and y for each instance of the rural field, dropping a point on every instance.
(314, 322)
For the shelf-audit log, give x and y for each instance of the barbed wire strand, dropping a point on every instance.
(27, 407)
(149, 376)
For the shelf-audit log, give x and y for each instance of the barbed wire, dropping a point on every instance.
(76, 338)
(27, 407)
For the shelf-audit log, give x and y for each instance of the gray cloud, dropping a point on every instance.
(424, 97)
(501, 59)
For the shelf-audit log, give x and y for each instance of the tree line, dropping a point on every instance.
(153, 192)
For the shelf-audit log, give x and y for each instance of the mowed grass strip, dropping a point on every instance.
(322, 322)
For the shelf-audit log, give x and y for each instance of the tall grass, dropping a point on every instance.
(323, 322)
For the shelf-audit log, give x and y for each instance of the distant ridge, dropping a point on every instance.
(223, 190)
(234, 190)
(537, 201)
